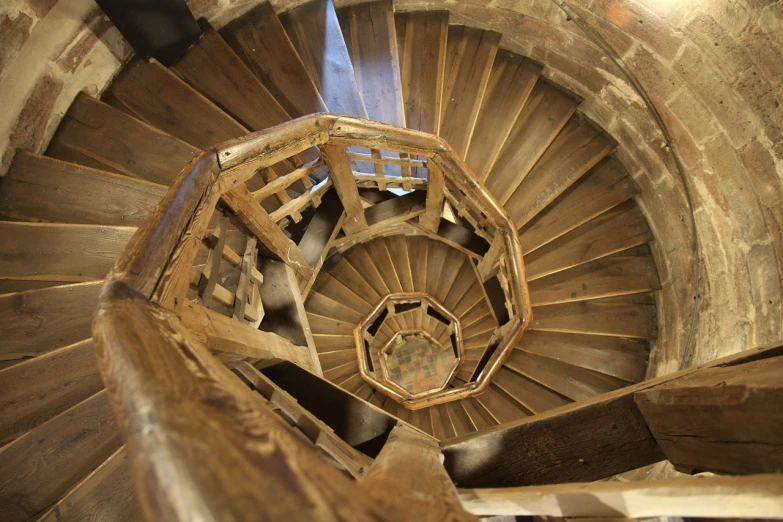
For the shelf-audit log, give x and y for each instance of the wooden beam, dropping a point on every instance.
(269, 235)
(612, 437)
(436, 183)
(228, 336)
(342, 177)
(756, 496)
(408, 479)
(724, 420)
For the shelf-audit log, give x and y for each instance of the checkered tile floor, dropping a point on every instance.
(417, 366)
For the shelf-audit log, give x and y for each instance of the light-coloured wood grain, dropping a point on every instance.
(344, 184)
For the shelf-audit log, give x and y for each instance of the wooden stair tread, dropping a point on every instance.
(500, 405)
(470, 54)
(158, 97)
(417, 259)
(363, 264)
(571, 381)
(325, 342)
(38, 188)
(510, 83)
(619, 229)
(342, 373)
(624, 359)
(478, 414)
(371, 39)
(381, 257)
(331, 360)
(578, 147)
(328, 286)
(260, 40)
(66, 449)
(607, 185)
(631, 316)
(531, 395)
(214, 69)
(328, 307)
(316, 34)
(545, 113)
(398, 250)
(442, 428)
(60, 252)
(116, 141)
(328, 325)
(631, 271)
(422, 419)
(437, 254)
(422, 66)
(36, 390)
(107, 493)
(349, 277)
(459, 419)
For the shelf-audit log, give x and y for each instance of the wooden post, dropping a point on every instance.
(408, 480)
(725, 420)
(436, 184)
(342, 178)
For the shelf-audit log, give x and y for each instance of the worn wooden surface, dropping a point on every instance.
(38, 321)
(531, 395)
(344, 184)
(408, 479)
(724, 420)
(259, 38)
(757, 496)
(34, 391)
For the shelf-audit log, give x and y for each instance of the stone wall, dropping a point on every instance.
(712, 68)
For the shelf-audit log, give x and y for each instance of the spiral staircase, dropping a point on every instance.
(321, 252)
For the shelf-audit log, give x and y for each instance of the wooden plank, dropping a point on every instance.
(449, 274)
(529, 394)
(344, 184)
(436, 184)
(757, 496)
(500, 405)
(214, 69)
(328, 307)
(363, 264)
(470, 54)
(330, 287)
(459, 419)
(105, 494)
(260, 40)
(546, 111)
(627, 316)
(349, 277)
(723, 420)
(41, 466)
(422, 66)
(478, 414)
(398, 250)
(321, 228)
(155, 95)
(464, 282)
(397, 209)
(510, 83)
(619, 229)
(625, 359)
(38, 188)
(269, 235)
(227, 336)
(577, 148)
(60, 252)
(407, 479)
(606, 185)
(462, 237)
(315, 32)
(38, 321)
(36, 390)
(371, 39)
(631, 271)
(553, 452)
(381, 258)
(113, 138)
(417, 253)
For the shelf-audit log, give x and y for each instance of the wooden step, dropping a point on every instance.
(459, 419)
(528, 393)
(510, 83)
(349, 277)
(465, 281)
(619, 229)
(371, 38)
(363, 264)
(500, 405)
(215, 70)
(65, 449)
(38, 188)
(607, 185)
(462, 238)
(157, 96)
(60, 252)
(332, 342)
(107, 493)
(442, 428)
(379, 253)
(117, 142)
(631, 316)
(38, 321)
(448, 275)
(469, 57)
(422, 419)
(398, 250)
(568, 380)
(328, 307)
(545, 113)
(631, 271)
(260, 40)
(330, 287)
(417, 258)
(322, 325)
(478, 414)
(624, 359)
(36, 390)
(422, 66)
(315, 32)
(578, 147)
(331, 360)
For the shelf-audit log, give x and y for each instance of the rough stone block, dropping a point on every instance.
(729, 57)
(13, 34)
(654, 75)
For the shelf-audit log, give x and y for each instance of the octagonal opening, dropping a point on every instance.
(415, 362)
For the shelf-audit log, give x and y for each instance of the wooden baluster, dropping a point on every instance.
(408, 480)
(406, 171)
(345, 185)
(211, 272)
(489, 263)
(430, 220)
(247, 290)
(269, 175)
(380, 170)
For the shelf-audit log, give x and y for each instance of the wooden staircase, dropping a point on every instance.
(68, 215)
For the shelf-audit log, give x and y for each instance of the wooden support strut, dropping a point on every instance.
(345, 185)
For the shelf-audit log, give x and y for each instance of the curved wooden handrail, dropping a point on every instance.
(175, 401)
